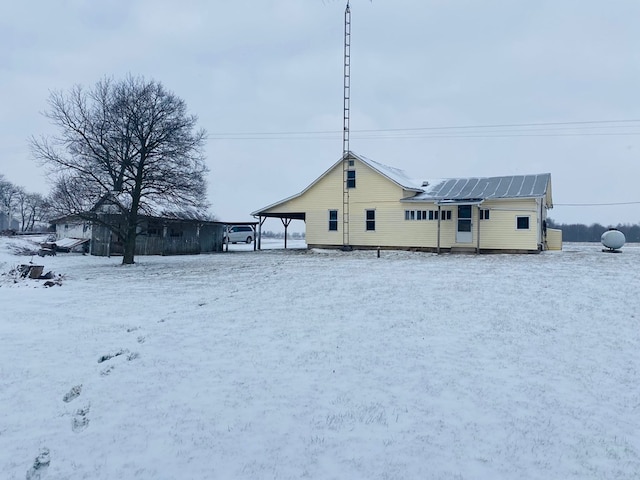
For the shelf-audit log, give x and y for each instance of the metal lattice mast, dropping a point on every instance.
(345, 129)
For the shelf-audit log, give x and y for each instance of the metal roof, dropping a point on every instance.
(395, 174)
(515, 186)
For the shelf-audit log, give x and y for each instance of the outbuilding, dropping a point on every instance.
(173, 234)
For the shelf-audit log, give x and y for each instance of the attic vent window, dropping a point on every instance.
(352, 163)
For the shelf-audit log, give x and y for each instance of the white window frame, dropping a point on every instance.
(330, 220)
(528, 217)
(366, 220)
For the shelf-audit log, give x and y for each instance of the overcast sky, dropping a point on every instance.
(256, 71)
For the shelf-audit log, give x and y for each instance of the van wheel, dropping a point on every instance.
(248, 239)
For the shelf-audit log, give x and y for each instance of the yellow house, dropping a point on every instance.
(387, 209)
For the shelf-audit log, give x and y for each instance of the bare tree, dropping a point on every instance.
(127, 145)
(8, 199)
(32, 209)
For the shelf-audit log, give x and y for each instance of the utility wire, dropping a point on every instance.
(444, 131)
(593, 204)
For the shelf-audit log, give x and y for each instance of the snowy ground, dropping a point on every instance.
(323, 364)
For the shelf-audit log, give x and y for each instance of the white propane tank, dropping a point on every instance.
(613, 239)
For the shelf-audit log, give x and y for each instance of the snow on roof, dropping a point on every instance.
(154, 208)
(514, 186)
(397, 175)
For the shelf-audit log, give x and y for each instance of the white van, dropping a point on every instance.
(239, 233)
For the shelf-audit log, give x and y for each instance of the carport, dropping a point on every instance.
(251, 224)
(285, 218)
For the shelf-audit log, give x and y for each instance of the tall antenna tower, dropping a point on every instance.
(345, 128)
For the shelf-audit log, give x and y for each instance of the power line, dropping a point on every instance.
(585, 124)
(593, 204)
(409, 136)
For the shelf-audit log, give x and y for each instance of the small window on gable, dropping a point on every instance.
(371, 220)
(351, 179)
(484, 214)
(333, 220)
(522, 223)
(351, 162)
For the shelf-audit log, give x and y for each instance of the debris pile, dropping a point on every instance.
(34, 272)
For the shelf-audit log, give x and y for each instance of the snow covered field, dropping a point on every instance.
(323, 364)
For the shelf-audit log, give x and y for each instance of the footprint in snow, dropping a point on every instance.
(109, 356)
(80, 420)
(40, 465)
(72, 394)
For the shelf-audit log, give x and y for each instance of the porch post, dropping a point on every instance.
(439, 216)
(285, 222)
(478, 235)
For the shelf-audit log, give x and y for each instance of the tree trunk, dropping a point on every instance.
(130, 244)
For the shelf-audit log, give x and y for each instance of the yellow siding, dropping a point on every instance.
(376, 192)
(554, 239)
(500, 232)
(324, 195)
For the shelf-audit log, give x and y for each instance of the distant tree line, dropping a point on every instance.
(21, 210)
(578, 232)
(270, 234)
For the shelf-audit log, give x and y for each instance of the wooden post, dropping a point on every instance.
(285, 222)
(478, 236)
(255, 240)
(260, 222)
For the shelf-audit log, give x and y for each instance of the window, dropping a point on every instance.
(154, 229)
(427, 214)
(351, 179)
(351, 162)
(333, 220)
(522, 223)
(371, 220)
(484, 214)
